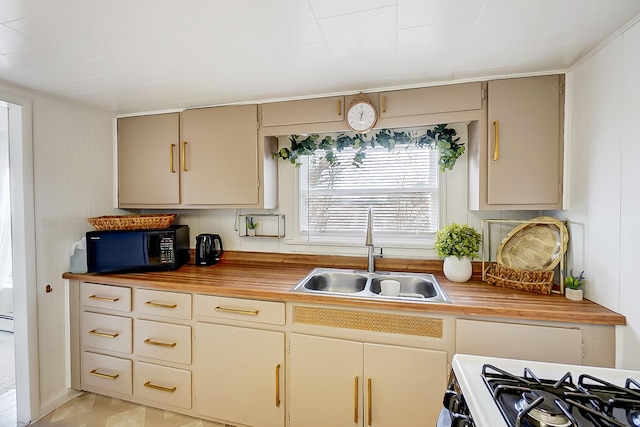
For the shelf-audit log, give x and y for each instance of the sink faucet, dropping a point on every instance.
(371, 256)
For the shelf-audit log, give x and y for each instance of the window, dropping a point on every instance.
(401, 187)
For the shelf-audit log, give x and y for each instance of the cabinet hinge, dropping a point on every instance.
(560, 188)
(561, 88)
(289, 347)
(584, 350)
(483, 93)
(258, 182)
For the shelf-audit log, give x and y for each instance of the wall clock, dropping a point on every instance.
(361, 115)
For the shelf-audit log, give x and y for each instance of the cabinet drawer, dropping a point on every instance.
(107, 373)
(106, 331)
(240, 309)
(161, 303)
(163, 341)
(163, 384)
(105, 296)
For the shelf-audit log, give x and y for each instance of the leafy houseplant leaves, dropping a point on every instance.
(440, 137)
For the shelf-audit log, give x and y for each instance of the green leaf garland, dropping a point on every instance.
(440, 137)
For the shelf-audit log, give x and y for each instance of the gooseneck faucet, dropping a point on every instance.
(371, 256)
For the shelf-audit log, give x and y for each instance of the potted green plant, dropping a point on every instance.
(573, 286)
(457, 245)
(251, 226)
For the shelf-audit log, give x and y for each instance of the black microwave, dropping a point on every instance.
(110, 251)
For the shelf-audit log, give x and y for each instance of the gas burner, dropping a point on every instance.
(542, 409)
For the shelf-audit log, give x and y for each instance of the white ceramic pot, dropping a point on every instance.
(251, 232)
(457, 269)
(573, 294)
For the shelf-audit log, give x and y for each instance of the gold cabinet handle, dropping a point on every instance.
(160, 344)
(159, 387)
(103, 334)
(238, 311)
(101, 375)
(107, 299)
(496, 149)
(278, 385)
(171, 148)
(160, 304)
(184, 156)
(368, 401)
(355, 400)
(339, 107)
(384, 104)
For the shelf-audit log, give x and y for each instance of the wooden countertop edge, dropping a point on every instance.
(238, 276)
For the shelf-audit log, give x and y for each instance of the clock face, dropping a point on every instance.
(361, 117)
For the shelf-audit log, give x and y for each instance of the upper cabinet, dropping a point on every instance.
(430, 100)
(208, 157)
(148, 160)
(318, 110)
(515, 158)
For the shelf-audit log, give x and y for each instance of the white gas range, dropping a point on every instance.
(495, 392)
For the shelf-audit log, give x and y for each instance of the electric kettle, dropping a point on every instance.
(208, 249)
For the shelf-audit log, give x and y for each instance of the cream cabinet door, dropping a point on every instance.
(220, 149)
(403, 386)
(430, 100)
(318, 110)
(239, 376)
(344, 383)
(524, 164)
(325, 382)
(148, 161)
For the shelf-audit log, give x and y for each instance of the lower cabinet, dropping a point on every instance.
(162, 384)
(337, 383)
(240, 375)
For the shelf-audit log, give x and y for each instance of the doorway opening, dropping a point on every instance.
(8, 409)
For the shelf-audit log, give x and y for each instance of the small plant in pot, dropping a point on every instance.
(458, 245)
(251, 226)
(573, 286)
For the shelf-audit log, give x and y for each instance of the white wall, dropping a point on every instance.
(72, 180)
(603, 176)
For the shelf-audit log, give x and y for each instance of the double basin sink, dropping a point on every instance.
(414, 287)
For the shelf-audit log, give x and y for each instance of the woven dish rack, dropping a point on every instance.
(131, 222)
(528, 255)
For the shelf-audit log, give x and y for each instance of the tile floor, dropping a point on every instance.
(94, 410)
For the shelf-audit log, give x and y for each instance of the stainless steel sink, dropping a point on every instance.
(416, 287)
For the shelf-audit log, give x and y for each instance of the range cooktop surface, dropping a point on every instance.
(507, 392)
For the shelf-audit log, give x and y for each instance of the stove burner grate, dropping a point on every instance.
(528, 401)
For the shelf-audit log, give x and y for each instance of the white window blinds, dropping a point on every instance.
(400, 186)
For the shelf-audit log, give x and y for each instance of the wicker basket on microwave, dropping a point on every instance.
(131, 222)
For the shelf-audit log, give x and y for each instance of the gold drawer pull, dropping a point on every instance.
(496, 148)
(278, 385)
(355, 400)
(339, 107)
(160, 304)
(161, 344)
(184, 156)
(103, 334)
(101, 375)
(171, 148)
(384, 104)
(107, 299)
(159, 387)
(369, 401)
(238, 311)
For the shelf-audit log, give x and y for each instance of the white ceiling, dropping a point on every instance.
(147, 55)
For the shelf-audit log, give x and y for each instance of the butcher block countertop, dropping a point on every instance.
(270, 276)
